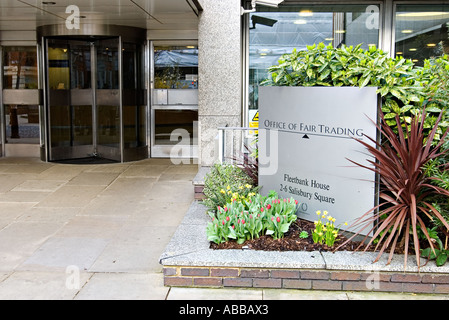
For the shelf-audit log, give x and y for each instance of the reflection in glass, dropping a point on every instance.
(22, 124)
(58, 66)
(107, 64)
(108, 129)
(273, 33)
(80, 65)
(20, 72)
(20, 68)
(176, 67)
(167, 121)
(422, 31)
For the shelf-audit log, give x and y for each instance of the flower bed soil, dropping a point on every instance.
(292, 242)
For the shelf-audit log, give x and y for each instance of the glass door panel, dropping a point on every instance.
(108, 99)
(174, 109)
(134, 108)
(92, 111)
(20, 97)
(70, 99)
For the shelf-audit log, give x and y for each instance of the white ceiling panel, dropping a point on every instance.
(16, 15)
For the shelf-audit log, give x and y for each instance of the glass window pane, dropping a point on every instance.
(20, 68)
(166, 121)
(421, 31)
(176, 67)
(274, 32)
(107, 64)
(22, 124)
(58, 65)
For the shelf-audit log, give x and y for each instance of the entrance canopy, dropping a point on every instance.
(22, 16)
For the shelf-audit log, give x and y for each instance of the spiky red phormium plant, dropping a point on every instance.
(399, 160)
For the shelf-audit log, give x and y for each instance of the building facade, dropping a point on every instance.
(129, 80)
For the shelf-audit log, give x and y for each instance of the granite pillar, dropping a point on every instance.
(220, 73)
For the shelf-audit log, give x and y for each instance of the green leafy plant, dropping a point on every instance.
(404, 88)
(439, 255)
(304, 234)
(224, 183)
(405, 187)
(260, 215)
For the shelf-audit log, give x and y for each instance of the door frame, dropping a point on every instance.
(124, 34)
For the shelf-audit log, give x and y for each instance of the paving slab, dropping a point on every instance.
(124, 286)
(20, 239)
(214, 294)
(71, 196)
(59, 253)
(40, 185)
(286, 294)
(42, 285)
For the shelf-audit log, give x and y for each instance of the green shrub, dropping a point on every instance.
(224, 183)
(437, 170)
(404, 88)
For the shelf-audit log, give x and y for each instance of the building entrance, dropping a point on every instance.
(95, 98)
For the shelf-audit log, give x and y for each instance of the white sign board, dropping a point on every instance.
(305, 141)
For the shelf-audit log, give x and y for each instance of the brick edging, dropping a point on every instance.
(339, 280)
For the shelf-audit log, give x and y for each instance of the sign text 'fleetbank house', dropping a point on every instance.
(306, 136)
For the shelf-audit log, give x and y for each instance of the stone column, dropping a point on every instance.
(220, 73)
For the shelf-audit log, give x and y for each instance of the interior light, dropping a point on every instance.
(430, 45)
(413, 49)
(340, 31)
(399, 53)
(415, 60)
(329, 39)
(423, 14)
(306, 13)
(300, 21)
(190, 47)
(407, 31)
(263, 54)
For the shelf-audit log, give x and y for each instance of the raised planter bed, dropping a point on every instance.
(188, 261)
(198, 183)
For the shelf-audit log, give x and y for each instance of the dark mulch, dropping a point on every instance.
(292, 242)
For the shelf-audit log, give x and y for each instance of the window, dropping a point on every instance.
(176, 67)
(20, 68)
(20, 72)
(421, 31)
(274, 32)
(175, 100)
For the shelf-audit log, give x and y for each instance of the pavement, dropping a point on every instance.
(96, 232)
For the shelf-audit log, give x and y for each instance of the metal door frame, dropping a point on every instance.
(70, 152)
(123, 33)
